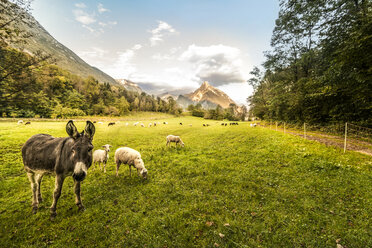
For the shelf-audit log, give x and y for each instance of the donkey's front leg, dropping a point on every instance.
(77, 196)
(56, 194)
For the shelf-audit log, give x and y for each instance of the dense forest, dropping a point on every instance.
(319, 68)
(47, 91)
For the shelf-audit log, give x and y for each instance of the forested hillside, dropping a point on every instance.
(48, 91)
(319, 69)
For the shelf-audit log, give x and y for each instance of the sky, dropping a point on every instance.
(166, 45)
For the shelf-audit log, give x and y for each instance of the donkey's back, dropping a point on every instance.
(42, 151)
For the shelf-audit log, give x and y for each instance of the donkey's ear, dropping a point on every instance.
(89, 130)
(72, 130)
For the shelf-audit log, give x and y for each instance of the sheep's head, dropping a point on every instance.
(144, 173)
(107, 147)
(182, 144)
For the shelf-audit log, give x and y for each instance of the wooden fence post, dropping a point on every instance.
(345, 137)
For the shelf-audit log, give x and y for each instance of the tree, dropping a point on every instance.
(122, 105)
(319, 68)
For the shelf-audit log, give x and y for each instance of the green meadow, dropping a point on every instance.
(232, 186)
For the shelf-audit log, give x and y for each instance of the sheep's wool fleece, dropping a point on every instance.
(127, 155)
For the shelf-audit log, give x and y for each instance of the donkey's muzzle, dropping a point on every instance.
(79, 176)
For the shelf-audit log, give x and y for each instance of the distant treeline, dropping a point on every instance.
(320, 67)
(232, 113)
(45, 90)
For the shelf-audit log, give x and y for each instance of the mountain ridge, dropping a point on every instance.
(208, 96)
(129, 85)
(41, 40)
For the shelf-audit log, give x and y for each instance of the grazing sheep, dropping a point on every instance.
(222, 124)
(154, 124)
(150, 124)
(190, 125)
(203, 125)
(142, 125)
(100, 122)
(225, 124)
(126, 124)
(28, 123)
(165, 123)
(111, 124)
(94, 121)
(136, 123)
(130, 157)
(101, 156)
(20, 122)
(175, 139)
(181, 123)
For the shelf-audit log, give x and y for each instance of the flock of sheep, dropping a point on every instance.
(128, 156)
(131, 157)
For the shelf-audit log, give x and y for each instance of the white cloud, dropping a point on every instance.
(101, 9)
(137, 47)
(80, 5)
(168, 56)
(89, 21)
(92, 30)
(124, 66)
(217, 64)
(83, 17)
(159, 32)
(107, 24)
(239, 92)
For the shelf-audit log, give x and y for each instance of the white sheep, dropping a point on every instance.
(126, 124)
(20, 122)
(142, 125)
(175, 139)
(130, 157)
(101, 156)
(150, 124)
(190, 125)
(136, 123)
(100, 122)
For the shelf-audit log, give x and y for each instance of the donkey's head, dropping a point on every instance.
(81, 149)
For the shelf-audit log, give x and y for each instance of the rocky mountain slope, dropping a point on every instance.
(40, 40)
(129, 85)
(207, 95)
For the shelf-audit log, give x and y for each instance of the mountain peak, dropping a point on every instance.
(207, 92)
(205, 85)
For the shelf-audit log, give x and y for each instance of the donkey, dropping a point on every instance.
(71, 156)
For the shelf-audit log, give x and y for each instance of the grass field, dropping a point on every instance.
(231, 186)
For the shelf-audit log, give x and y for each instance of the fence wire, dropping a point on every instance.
(359, 132)
(355, 134)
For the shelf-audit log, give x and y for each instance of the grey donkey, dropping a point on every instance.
(70, 156)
